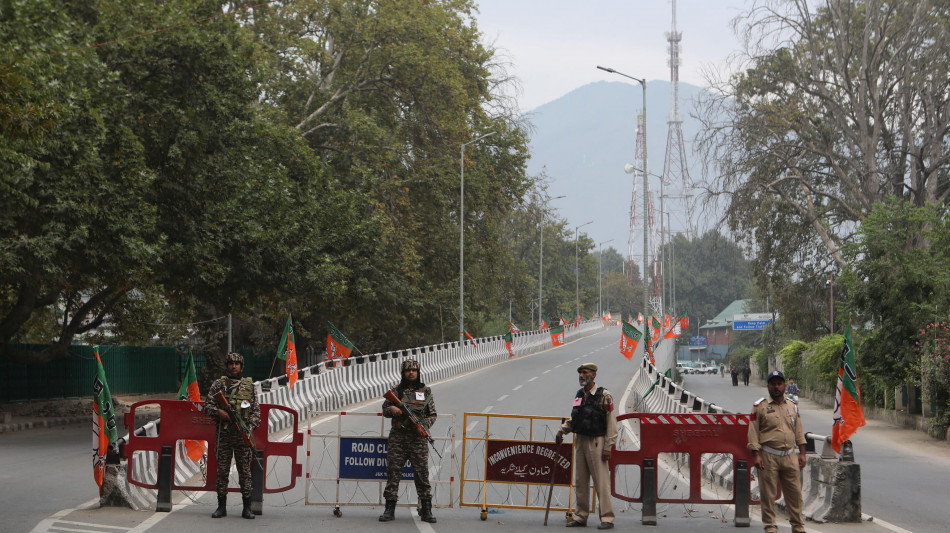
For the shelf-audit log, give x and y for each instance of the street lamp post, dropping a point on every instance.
(462, 241)
(577, 272)
(600, 278)
(831, 302)
(646, 238)
(541, 260)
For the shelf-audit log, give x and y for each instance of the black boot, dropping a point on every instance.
(390, 512)
(222, 509)
(247, 513)
(425, 510)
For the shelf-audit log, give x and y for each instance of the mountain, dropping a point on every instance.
(584, 139)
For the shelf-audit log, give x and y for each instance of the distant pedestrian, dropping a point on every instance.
(594, 422)
(774, 436)
(722, 371)
(746, 372)
(735, 376)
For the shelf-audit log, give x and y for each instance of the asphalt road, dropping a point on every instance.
(48, 481)
(904, 473)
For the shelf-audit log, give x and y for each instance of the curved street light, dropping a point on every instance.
(646, 238)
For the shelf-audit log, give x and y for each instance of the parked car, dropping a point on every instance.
(684, 368)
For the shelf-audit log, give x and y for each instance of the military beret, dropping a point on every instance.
(587, 366)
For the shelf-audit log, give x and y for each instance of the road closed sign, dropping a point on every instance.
(365, 458)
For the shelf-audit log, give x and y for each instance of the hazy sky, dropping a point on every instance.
(555, 45)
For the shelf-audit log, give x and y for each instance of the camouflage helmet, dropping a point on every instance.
(410, 364)
(234, 357)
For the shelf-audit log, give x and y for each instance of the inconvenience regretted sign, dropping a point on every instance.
(518, 461)
(365, 458)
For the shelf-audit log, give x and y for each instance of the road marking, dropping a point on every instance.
(487, 409)
(882, 523)
(532, 379)
(46, 523)
(71, 522)
(546, 371)
(423, 527)
(558, 366)
(471, 426)
(502, 398)
(518, 387)
(54, 528)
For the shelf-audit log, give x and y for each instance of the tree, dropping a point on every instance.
(710, 273)
(155, 187)
(842, 106)
(386, 93)
(896, 287)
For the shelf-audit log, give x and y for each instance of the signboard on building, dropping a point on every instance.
(365, 458)
(697, 340)
(518, 461)
(752, 321)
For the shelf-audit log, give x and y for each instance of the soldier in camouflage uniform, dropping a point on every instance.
(243, 399)
(407, 443)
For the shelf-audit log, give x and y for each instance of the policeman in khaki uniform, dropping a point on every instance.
(594, 423)
(243, 400)
(774, 436)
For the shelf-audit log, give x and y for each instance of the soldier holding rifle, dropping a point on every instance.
(237, 415)
(411, 407)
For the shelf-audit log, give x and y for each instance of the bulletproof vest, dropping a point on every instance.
(237, 393)
(589, 417)
(409, 398)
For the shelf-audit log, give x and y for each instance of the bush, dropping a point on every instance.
(761, 357)
(820, 371)
(792, 358)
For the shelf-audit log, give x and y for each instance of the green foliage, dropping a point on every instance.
(897, 286)
(711, 272)
(932, 349)
(762, 359)
(820, 371)
(792, 357)
(263, 163)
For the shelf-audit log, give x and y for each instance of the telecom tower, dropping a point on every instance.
(637, 179)
(674, 163)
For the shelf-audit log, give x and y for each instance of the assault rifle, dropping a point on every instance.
(420, 426)
(242, 428)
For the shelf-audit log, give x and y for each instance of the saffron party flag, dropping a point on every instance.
(104, 432)
(557, 336)
(287, 350)
(629, 338)
(194, 449)
(848, 414)
(338, 346)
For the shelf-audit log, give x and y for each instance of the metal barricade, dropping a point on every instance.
(494, 469)
(346, 464)
(690, 435)
(183, 421)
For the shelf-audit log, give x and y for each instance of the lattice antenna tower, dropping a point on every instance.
(674, 163)
(637, 176)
